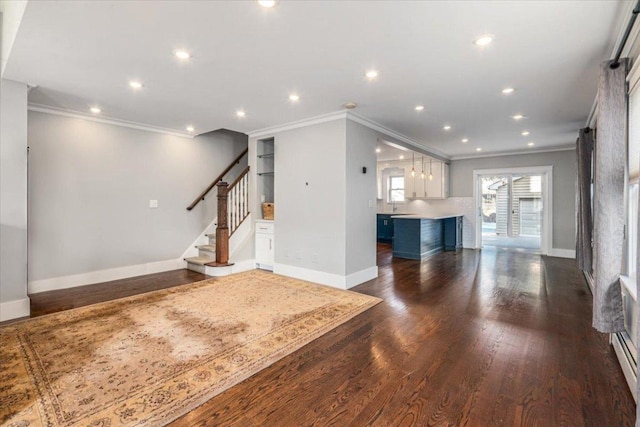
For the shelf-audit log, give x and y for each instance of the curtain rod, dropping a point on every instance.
(616, 60)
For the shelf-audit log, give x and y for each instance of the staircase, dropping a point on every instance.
(206, 254)
(233, 209)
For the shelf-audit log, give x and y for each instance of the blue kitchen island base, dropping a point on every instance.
(417, 237)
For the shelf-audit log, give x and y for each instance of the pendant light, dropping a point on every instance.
(422, 174)
(431, 170)
(413, 168)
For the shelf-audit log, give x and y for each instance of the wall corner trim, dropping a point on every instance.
(105, 120)
(359, 277)
(15, 309)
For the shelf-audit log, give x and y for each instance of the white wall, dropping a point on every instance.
(361, 198)
(310, 197)
(13, 200)
(324, 204)
(12, 12)
(90, 186)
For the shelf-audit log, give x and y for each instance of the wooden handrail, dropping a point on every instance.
(237, 180)
(218, 179)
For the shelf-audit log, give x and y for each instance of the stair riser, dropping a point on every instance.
(196, 268)
(202, 252)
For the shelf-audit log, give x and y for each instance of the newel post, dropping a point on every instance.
(222, 231)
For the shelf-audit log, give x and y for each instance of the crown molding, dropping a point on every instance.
(396, 135)
(106, 120)
(323, 118)
(337, 115)
(516, 153)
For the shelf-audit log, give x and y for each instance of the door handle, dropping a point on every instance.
(270, 244)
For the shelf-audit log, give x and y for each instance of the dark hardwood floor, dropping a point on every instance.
(65, 299)
(491, 338)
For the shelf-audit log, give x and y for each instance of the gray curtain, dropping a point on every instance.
(584, 219)
(608, 210)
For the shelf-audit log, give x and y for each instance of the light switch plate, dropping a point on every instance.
(153, 203)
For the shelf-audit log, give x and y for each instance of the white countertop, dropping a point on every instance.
(426, 216)
(394, 213)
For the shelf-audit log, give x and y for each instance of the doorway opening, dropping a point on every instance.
(513, 209)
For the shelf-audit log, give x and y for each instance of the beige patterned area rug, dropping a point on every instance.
(148, 359)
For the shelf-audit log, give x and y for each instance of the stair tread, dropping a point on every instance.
(200, 260)
(209, 248)
(210, 235)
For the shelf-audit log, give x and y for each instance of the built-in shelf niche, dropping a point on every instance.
(265, 169)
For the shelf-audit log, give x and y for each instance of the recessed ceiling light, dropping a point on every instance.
(525, 133)
(378, 150)
(240, 113)
(478, 149)
(135, 84)
(483, 40)
(190, 129)
(95, 110)
(465, 140)
(446, 127)
(531, 144)
(293, 97)
(267, 3)
(517, 117)
(401, 157)
(182, 54)
(508, 90)
(372, 74)
(419, 107)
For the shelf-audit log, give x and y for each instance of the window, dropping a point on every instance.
(396, 189)
(535, 184)
(633, 186)
(632, 226)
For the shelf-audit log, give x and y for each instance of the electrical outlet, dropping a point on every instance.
(153, 203)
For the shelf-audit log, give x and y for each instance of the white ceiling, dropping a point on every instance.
(83, 53)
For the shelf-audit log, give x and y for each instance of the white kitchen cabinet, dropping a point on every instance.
(264, 245)
(437, 188)
(418, 188)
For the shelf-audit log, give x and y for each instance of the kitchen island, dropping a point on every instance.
(420, 236)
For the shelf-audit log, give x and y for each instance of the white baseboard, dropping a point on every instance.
(324, 278)
(238, 267)
(329, 279)
(354, 279)
(244, 265)
(625, 364)
(563, 253)
(15, 309)
(64, 282)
